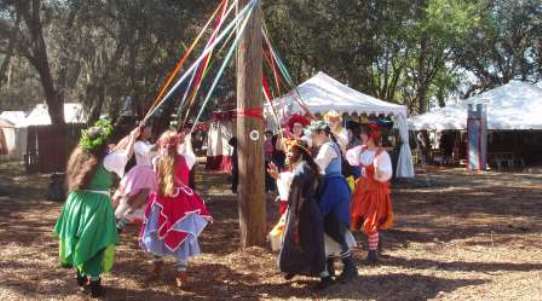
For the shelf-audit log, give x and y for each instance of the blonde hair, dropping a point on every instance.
(166, 165)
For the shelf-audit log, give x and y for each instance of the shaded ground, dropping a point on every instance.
(464, 237)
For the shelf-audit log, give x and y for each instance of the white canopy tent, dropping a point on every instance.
(514, 106)
(322, 93)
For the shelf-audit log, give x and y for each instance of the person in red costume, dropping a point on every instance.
(175, 214)
(371, 202)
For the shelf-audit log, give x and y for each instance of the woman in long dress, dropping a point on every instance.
(302, 251)
(372, 209)
(175, 214)
(86, 226)
(335, 196)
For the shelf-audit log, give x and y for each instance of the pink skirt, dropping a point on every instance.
(138, 178)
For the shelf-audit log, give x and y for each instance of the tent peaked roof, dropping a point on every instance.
(514, 106)
(322, 93)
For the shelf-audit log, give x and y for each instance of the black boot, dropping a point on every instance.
(372, 257)
(96, 288)
(350, 270)
(81, 280)
(330, 264)
(325, 282)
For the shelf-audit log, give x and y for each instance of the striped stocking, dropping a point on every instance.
(373, 241)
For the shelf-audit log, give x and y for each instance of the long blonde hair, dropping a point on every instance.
(166, 164)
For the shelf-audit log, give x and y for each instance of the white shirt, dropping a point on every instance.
(284, 182)
(325, 155)
(342, 138)
(382, 163)
(143, 153)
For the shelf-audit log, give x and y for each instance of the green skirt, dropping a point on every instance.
(87, 232)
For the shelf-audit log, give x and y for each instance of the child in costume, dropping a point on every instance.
(371, 201)
(334, 197)
(302, 251)
(175, 215)
(86, 226)
(137, 184)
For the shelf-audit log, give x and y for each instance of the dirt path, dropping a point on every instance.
(463, 238)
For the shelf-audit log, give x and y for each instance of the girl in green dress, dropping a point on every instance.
(86, 226)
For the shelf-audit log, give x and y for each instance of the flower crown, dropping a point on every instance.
(291, 143)
(96, 136)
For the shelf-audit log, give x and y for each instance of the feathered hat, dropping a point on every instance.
(296, 118)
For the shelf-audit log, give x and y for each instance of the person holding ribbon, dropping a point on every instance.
(334, 197)
(86, 226)
(175, 214)
(371, 202)
(137, 184)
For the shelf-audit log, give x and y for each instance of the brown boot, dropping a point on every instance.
(181, 279)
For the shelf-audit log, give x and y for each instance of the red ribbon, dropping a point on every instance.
(256, 113)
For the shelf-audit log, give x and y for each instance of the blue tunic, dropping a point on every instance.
(335, 193)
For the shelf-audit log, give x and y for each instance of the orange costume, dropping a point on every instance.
(371, 201)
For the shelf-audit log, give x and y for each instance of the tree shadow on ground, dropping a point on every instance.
(465, 266)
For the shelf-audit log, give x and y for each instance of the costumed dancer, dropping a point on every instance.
(372, 207)
(335, 198)
(175, 215)
(302, 251)
(295, 129)
(137, 184)
(86, 226)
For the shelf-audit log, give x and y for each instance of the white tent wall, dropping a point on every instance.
(322, 93)
(16, 143)
(514, 106)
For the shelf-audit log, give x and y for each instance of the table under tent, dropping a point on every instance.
(514, 126)
(321, 94)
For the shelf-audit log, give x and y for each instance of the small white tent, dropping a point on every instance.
(322, 93)
(73, 113)
(14, 140)
(514, 106)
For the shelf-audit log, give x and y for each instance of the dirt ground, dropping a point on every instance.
(457, 237)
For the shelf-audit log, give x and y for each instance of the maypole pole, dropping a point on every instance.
(250, 132)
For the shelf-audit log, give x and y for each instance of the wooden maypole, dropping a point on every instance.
(250, 133)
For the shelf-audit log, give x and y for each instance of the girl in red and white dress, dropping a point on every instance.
(175, 214)
(371, 202)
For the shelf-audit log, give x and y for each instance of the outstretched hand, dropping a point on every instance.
(273, 170)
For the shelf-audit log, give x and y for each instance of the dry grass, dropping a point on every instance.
(463, 238)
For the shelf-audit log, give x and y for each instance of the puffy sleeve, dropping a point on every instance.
(353, 155)
(142, 149)
(186, 151)
(382, 163)
(284, 182)
(325, 156)
(116, 162)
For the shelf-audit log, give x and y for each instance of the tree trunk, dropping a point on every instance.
(250, 135)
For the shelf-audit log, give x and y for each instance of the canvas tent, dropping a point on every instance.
(514, 106)
(322, 93)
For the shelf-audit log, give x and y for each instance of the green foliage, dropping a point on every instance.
(97, 135)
